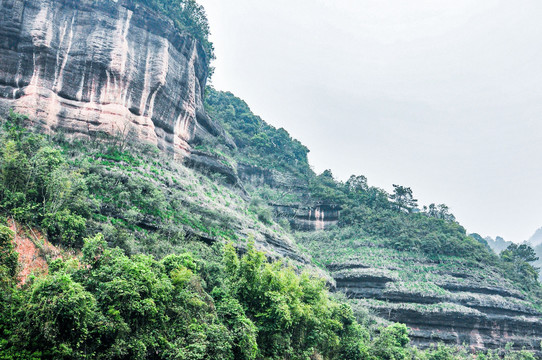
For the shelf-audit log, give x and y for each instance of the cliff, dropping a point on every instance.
(88, 67)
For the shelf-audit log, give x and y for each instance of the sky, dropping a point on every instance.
(443, 96)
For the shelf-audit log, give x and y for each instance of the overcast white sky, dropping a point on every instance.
(444, 96)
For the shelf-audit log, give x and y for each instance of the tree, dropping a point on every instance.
(391, 344)
(8, 258)
(518, 258)
(521, 252)
(59, 318)
(403, 198)
(440, 211)
(357, 184)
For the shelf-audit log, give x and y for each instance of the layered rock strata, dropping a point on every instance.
(453, 310)
(303, 214)
(309, 218)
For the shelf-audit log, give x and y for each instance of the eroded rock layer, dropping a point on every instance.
(92, 66)
(447, 300)
(303, 213)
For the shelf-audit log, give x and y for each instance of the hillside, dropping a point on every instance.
(419, 268)
(167, 221)
(130, 197)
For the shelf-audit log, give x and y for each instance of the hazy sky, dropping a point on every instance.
(444, 96)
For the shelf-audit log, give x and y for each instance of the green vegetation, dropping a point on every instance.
(8, 258)
(258, 142)
(517, 260)
(189, 17)
(104, 304)
(37, 186)
(393, 221)
(143, 285)
(140, 199)
(107, 305)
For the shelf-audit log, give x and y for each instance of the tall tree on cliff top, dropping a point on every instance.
(518, 258)
(403, 198)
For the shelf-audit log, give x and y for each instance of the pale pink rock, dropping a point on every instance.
(88, 66)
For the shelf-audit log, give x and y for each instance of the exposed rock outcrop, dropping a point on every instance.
(33, 248)
(208, 162)
(109, 66)
(303, 215)
(456, 310)
(258, 176)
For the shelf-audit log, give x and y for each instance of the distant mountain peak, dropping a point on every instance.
(536, 239)
(498, 244)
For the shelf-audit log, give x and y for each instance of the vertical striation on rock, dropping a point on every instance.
(87, 66)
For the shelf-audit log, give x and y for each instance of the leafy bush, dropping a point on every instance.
(65, 227)
(293, 314)
(391, 344)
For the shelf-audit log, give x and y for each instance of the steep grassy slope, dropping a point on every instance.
(141, 199)
(407, 265)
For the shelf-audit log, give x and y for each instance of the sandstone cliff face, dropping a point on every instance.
(457, 311)
(110, 66)
(309, 217)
